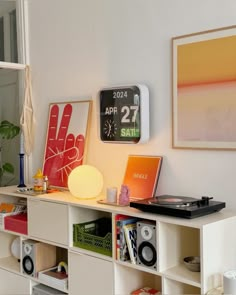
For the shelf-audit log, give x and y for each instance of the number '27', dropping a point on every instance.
(129, 111)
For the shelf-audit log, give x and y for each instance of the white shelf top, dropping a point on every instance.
(65, 197)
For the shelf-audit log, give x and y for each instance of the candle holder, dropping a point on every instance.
(22, 182)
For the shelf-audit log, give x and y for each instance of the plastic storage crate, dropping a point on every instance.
(17, 223)
(94, 236)
(3, 215)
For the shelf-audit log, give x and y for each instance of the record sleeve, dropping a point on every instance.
(141, 176)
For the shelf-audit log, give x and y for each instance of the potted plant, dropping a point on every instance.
(7, 132)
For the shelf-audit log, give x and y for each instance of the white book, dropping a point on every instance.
(131, 240)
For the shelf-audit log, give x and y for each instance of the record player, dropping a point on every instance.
(178, 206)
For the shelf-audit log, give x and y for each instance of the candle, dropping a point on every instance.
(21, 143)
(112, 194)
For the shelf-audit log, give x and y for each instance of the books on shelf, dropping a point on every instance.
(141, 176)
(54, 278)
(12, 207)
(118, 218)
(130, 231)
(122, 252)
(7, 207)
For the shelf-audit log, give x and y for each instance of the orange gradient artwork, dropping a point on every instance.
(207, 62)
(204, 90)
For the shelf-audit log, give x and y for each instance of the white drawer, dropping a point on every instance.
(48, 220)
(13, 284)
(99, 271)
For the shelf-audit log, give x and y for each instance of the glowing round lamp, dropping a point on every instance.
(85, 182)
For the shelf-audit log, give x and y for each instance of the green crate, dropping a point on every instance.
(94, 236)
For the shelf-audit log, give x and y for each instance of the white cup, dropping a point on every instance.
(229, 281)
(111, 194)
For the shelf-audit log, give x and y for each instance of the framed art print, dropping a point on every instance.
(204, 90)
(66, 140)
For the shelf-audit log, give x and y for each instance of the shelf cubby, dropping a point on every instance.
(91, 230)
(176, 242)
(7, 260)
(176, 287)
(136, 279)
(9, 199)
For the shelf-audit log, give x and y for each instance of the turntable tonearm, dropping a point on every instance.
(178, 206)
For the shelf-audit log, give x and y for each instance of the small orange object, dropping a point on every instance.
(145, 291)
(38, 181)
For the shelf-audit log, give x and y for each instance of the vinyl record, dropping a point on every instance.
(171, 200)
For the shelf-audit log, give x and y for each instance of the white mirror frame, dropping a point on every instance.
(23, 56)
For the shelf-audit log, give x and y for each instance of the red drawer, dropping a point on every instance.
(17, 223)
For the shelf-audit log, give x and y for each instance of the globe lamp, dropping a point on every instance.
(85, 182)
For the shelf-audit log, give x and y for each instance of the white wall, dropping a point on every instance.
(79, 46)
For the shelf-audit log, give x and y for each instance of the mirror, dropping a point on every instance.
(9, 127)
(11, 89)
(8, 32)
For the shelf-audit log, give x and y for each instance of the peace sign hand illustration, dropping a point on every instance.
(64, 151)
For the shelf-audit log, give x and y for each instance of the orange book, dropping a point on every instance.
(6, 207)
(141, 176)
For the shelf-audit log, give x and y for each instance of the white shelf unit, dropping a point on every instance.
(51, 218)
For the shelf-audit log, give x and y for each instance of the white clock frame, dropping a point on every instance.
(143, 111)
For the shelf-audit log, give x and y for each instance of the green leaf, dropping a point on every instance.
(8, 167)
(8, 130)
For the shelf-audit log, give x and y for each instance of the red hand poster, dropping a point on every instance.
(65, 140)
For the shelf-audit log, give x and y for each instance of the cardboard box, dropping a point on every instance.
(17, 223)
(145, 291)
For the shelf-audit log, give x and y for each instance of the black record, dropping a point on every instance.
(172, 200)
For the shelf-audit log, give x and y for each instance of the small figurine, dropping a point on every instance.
(38, 181)
(124, 195)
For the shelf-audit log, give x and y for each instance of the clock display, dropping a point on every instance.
(110, 128)
(120, 114)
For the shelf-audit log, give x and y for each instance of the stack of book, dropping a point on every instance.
(126, 236)
(11, 207)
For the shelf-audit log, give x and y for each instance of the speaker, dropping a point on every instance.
(146, 244)
(37, 256)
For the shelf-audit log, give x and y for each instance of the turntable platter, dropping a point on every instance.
(172, 200)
